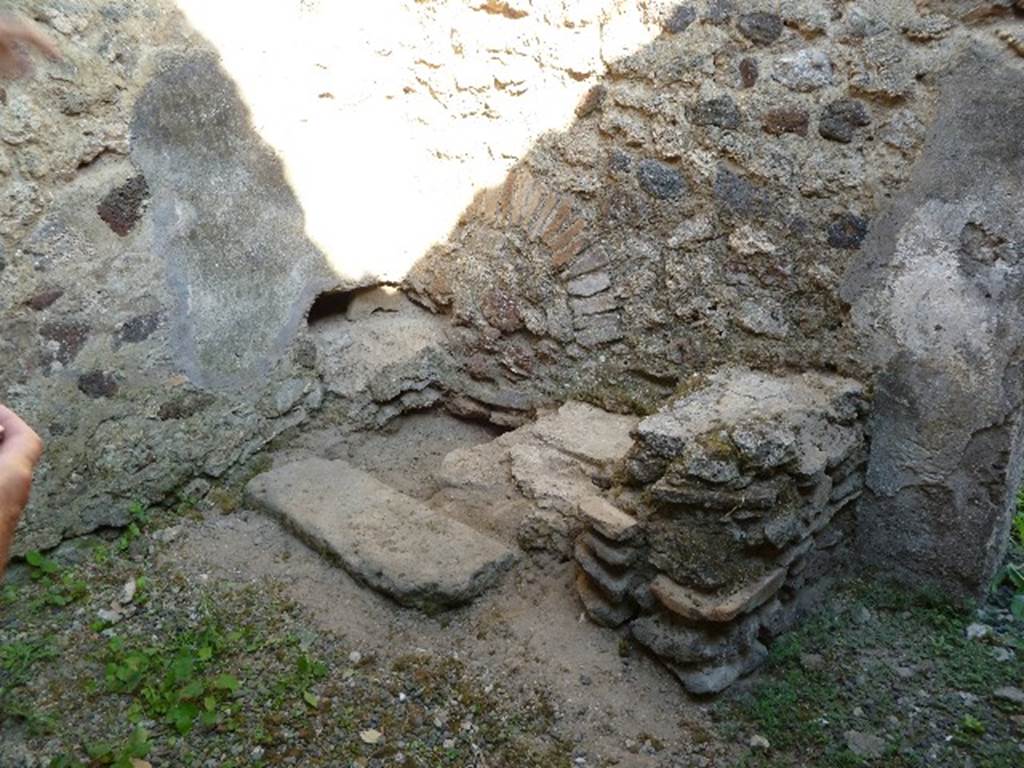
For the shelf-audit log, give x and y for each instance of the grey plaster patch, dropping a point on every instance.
(937, 298)
(225, 222)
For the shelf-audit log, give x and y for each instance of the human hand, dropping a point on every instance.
(17, 37)
(20, 449)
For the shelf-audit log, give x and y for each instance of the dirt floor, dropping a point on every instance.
(240, 646)
(531, 628)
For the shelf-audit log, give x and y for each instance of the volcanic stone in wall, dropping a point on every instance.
(735, 502)
(123, 206)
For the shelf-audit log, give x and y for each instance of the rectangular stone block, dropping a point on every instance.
(608, 520)
(696, 606)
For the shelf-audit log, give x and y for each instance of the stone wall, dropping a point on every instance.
(937, 297)
(149, 300)
(633, 193)
(730, 194)
(704, 205)
(161, 247)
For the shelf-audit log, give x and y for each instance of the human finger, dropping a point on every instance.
(18, 30)
(19, 439)
(13, 63)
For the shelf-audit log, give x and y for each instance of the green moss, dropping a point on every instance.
(705, 556)
(717, 445)
(618, 399)
(226, 499)
(620, 391)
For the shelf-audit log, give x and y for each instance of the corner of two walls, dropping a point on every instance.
(760, 187)
(797, 193)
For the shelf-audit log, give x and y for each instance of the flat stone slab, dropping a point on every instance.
(617, 586)
(586, 433)
(598, 607)
(718, 676)
(789, 414)
(609, 520)
(549, 477)
(696, 606)
(389, 541)
(548, 466)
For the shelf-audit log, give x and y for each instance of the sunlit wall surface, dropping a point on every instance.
(390, 114)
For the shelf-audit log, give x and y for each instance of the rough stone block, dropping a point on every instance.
(549, 477)
(760, 27)
(590, 260)
(603, 302)
(806, 70)
(739, 467)
(683, 644)
(840, 120)
(758, 497)
(715, 678)
(780, 121)
(612, 553)
(608, 520)
(721, 112)
(615, 583)
(599, 608)
(660, 180)
(589, 284)
(599, 329)
(586, 432)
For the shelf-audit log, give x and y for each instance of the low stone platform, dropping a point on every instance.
(389, 541)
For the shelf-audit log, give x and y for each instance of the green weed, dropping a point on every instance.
(112, 754)
(175, 682)
(138, 517)
(17, 662)
(60, 587)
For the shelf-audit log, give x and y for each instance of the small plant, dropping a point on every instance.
(17, 660)
(101, 554)
(138, 517)
(186, 505)
(60, 587)
(1013, 575)
(110, 754)
(41, 565)
(969, 730)
(972, 725)
(1018, 520)
(8, 595)
(174, 682)
(136, 747)
(299, 682)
